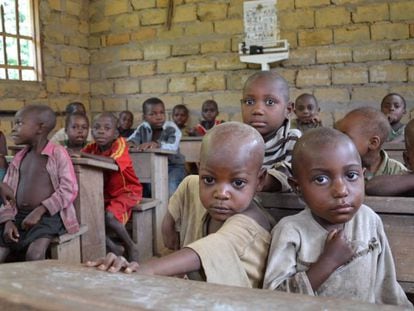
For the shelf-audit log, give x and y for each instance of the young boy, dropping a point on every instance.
(76, 129)
(307, 113)
(209, 112)
(337, 246)
(393, 106)
(180, 116)
(156, 132)
(126, 119)
(224, 233)
(266, 107)
(44, 184)
(122, 189)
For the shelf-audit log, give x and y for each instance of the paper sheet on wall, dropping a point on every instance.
(260, 23)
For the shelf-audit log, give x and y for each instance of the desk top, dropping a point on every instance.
(191, 138)
(51, 285)
(152, 150)
(95, 163)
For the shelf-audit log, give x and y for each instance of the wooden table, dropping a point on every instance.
(151, 166)
(89, 205)
(190, 148)
(50, 285)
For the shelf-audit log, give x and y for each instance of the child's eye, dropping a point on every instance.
(208, 180)
(270, 101)
(352, 176)
(321, 180)
(248, 101)
(239, 183)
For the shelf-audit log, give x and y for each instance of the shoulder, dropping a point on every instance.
(171, 124)
(294, 224)
(244, 229)
(366, 215)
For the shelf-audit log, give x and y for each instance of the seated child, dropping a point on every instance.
(44, 185)
(393, 107)
(3, 153)
(266, 107)
(224, 234)
(156, 132)
(307, 113)
(180, 116)
(209, 112)
(337, 246)
(125, 121)
(122, 189)
(369, 129)
(61, 136)
(76, 129)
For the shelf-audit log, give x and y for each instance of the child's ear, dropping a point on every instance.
(261, 179)
(374, 143)
(294, 185)
(289, 108)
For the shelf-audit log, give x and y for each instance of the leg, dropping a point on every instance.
(114, 247)
(4, 252)
(37, 249)
(120, 230)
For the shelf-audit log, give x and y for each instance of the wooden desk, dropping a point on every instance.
(50, 285)
(89, 205)
(151, 166)
(190, 148)
(395, 150)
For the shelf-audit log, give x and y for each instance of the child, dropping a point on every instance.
(180, 115)
(76, 129)
(307, 113)
(209, 112)
(44, 184)
(224, 233)
(122, 189)
(408, 154)
(393, 107)
(369, 129)
(60, 136)
(337, 246)
(156, 132)
(266, 107)
(126, 119)
(3, 153)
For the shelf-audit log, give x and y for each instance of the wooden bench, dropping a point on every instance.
(397, 214)
(143, 227)
(67, 248)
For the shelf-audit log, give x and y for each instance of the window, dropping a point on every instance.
(19, 40)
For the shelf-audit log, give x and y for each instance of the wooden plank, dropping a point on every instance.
(50, 285)
(190, 148)
(395, 150)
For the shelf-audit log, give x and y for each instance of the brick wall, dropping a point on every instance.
(347, 53)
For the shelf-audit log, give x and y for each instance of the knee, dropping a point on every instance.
(33, 254)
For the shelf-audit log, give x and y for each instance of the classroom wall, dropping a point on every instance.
(112, 54)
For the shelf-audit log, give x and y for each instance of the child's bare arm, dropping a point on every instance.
(3, 144)
(34, 217)
(390, 185)
(171, 237)
(97, 157)
(271, 184)
(11, 234)
(6, 193)
(337, 252)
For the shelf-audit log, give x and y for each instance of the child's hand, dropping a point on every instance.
(149, 145)
(337, 250)
(316, 119)
(33, 218)
(6, 193)
(11, 234)
(113, 263)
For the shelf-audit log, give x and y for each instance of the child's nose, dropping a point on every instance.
(221, 193)
(339, 188)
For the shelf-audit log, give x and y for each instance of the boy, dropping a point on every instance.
(76, 129)
(266, 107)
(307, 113)
(337, 246)
(369, 128)
(126, 119)
(44, 184)
(224, 233)
(156, 132)
(122, 189)
(393, 106)
(209, 112)
(180, 115)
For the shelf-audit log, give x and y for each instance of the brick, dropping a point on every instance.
(288, 74)
(388, 73)
(130, 53)
(114, 104)
(142, 69)
(311, 77)
(185, 49)
(142, 4)
(232, 26)
(117, 39)
(236, 10)
(70, 55)
(115, 71)
(352, 34)
(71, 86)
(229, 62)
(171, 100)
(301, 57)
(349, 75)
(315, 38)
(236, 82)
(371, 13)
(371, 53)
(212, 11)
(200, 64)
(126, 87)
(116, 7)
(227, 100)
(386, 31)
(214, 82)
(199, 29)
(52, 85)
(297, 19)
(101, 88)
(101, 26)
(96, 105)
(216, 46)
(181, 84)
(144, 34)
(333, 54)
(55, 5)
(184, 13)
(291, 37)
(407, 91)
(364, 95)
(78, 72)
(285, 5)
(73, 8)
(402, 51)
(156, 51)
(154, 85)
(311, 3)
(402, 11)
(332, 95)
(411, 73)
(194, 102)
(153, 17)
(125, 21)
(174, 33)
(171, 65)
(11, 104)
(332, 16)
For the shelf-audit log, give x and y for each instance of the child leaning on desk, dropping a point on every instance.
(224, 233)
(337, 246)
